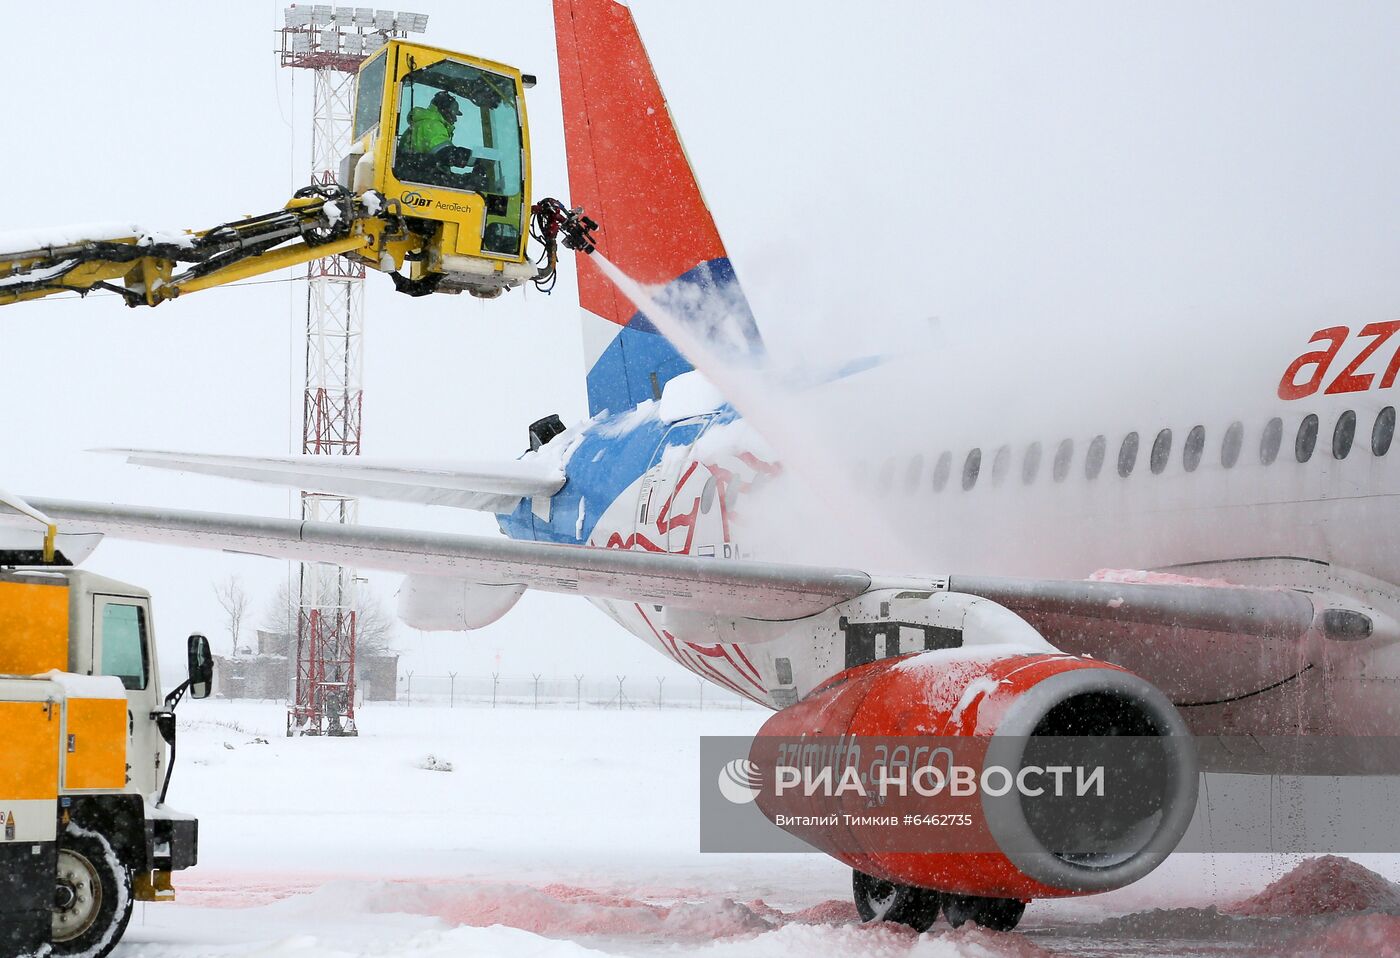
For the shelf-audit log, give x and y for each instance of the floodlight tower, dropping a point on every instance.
(331, 42)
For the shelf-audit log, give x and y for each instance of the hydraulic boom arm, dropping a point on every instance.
(147, 269)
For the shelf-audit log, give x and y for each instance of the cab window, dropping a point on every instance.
(124, 643)
(459, 127)
(369, 96)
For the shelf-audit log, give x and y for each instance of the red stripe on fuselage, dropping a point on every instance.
(697, 666)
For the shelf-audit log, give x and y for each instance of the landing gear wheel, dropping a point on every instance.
(92, 896)
(998, 914)
(880, 900)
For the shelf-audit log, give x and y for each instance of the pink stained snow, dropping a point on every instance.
(1322, 886)
(564, 832)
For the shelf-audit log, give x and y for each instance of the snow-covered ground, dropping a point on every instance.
(564, 832)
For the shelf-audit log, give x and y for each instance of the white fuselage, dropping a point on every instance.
(927, 466)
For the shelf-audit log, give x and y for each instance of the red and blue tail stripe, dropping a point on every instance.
(629, 171)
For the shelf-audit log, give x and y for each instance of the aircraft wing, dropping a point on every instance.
(1074, 615)
(741, 588)
(488, 486)
(1203, 645)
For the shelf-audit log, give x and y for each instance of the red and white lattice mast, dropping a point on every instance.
(331, 42)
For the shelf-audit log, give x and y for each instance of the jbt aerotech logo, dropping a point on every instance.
(414, 198)
(740, 781)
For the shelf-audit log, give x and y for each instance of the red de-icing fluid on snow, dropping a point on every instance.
(1375, 936)
(1322, 886)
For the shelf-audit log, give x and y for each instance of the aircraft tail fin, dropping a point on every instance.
(629, 171)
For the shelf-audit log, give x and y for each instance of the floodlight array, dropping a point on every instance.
(315, 32)
(320, 15)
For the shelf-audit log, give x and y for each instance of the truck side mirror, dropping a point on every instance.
(201, 664)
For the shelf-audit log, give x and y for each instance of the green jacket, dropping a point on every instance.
(427, 130)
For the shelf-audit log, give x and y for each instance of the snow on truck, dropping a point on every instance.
(87, 744)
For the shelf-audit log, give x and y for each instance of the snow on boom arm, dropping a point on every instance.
(435, 191)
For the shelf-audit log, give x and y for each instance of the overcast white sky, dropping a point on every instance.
(890, 162)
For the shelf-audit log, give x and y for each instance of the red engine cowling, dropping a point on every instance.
(996, 704)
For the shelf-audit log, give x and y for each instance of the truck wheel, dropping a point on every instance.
(92, 896)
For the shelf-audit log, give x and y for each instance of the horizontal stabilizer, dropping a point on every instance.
(488, 486)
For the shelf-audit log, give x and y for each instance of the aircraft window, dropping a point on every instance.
(1383, 431)
(1093, 460)
(1270, 441)
(1230, 448)
(1062, 457)
(1307, 438)
(1161, 451)
(1031, 464)
(1343, 435)
(941, 470)
(707, 495)
(1195, 445)
(911, 476)
(971, 468)
(886, 478)
(1000, 463)
(1127, 455)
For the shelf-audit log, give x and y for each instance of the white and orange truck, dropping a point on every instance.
(86, 747)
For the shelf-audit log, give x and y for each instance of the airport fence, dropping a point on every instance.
(499, 690)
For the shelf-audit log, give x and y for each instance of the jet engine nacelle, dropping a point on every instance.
(438, 604)
(1005, 708)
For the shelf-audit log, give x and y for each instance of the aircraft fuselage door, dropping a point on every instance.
(670, 489)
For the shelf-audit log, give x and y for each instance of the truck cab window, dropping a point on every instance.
(459, 128)
(369, 95)
(124, 643)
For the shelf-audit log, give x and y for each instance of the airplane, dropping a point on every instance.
(1208, 558)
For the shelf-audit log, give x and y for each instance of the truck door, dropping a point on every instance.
(122, 645)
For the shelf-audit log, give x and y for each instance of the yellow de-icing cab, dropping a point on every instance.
(444, 136)
(86, 747)
(435, 192)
